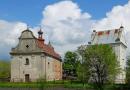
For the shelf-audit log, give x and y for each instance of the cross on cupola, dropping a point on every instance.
(40, 33)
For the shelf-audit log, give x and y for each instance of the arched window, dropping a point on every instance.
(27, 61)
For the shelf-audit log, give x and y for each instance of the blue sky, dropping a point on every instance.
(30, 11)
(66, 23)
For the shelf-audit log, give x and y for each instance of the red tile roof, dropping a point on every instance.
(108, 36)
(47, 49)
(100, 33)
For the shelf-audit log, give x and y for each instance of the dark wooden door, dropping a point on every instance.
(27, 78)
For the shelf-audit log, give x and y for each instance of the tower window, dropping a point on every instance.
(48, 64)
(27, 61)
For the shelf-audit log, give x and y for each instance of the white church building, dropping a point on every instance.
(33, 59)
(116, 38)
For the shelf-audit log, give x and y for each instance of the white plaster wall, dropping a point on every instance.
(38, 68)
(35, 68)
(49, 69)
(123, 61)
(120, 51)
(15, 63)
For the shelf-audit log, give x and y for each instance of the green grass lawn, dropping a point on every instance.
(65, 84)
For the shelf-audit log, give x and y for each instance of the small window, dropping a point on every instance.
(48, 64)
(27, 46)
(27, 61)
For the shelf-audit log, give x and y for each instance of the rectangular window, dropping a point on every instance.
(27, 61)
(48, 64)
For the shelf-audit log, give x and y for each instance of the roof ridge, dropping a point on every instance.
(108, 30)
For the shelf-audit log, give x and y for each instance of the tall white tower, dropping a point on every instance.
(116, 39)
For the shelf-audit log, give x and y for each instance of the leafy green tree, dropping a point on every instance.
(70, 63)
(101, 65)
(82, 73)
(128, 71)
(4, 69)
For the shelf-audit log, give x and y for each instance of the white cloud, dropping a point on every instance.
(117, 16)
(66, 25)
(9, 33)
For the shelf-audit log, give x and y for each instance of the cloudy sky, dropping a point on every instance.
(66, 23)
